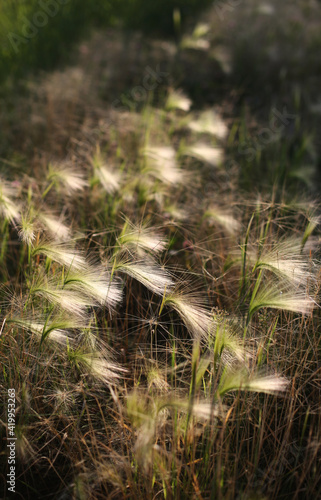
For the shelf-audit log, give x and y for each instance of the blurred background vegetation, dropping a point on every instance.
(37, 34)
(232, 107)
(252, 58)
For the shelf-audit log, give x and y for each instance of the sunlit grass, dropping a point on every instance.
(160, 326)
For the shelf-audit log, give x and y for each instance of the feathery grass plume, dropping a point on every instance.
(55, 328)
(233, 381)
(149, 274)
(209, 122)
(160, 163)
(227, 343)
(285, 260)
(55, 227)
(178, 100)
(97, 364)
(224, 219)
(71, 301)
(95, 283)
(64, 400)
(196, 40)
(27, 228)
(141, 238)
(313, 223)
(276, 295)
(205, 153)
(61, 252)
(67, 176)
(189, 42)
(109, 179)
(203, 410)
(270, 384)
(9, 209)
(157, 380)
(156, 375)
(201, 29)
(190, 308)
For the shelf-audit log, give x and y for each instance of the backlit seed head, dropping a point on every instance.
(209, 122)
(285, 260)
(67, 176)
(55, 227)
(194, 314)
(276, 295)
(9, 208)
(160, 163)
(141, 238)
(95, 283)
(212, 155)
(63, 253)
(152, 276)
(178, 100)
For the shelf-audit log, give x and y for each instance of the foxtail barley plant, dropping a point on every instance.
(160, 327)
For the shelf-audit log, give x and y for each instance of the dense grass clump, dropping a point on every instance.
(135, 345)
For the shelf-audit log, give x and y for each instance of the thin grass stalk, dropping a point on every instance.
(244, 252)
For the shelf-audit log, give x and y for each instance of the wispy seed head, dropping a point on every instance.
(209, 122)
(68, 177)
(178, 100)
(207, 154)
(160, 162)
(152, 276)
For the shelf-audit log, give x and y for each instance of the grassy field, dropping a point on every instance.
(159, 261)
